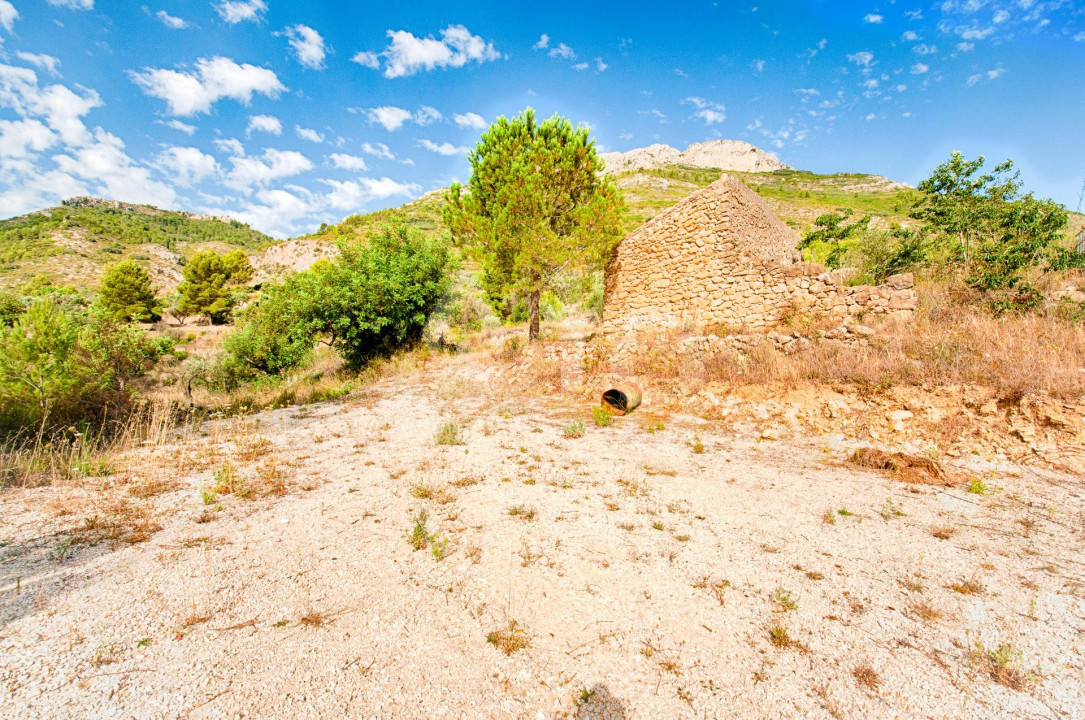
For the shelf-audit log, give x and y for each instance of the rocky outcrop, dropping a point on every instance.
(726, 155)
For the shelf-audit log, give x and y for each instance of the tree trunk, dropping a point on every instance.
(533, 309)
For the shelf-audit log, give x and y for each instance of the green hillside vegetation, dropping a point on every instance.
(423, 214)
(65, 244)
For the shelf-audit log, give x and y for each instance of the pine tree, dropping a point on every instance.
(535, 207)
(211, 284)
(127, 293)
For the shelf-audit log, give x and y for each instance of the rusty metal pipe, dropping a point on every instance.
(621, 399)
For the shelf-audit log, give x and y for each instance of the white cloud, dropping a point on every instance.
(73, 4)
(758, 65)
(974, 33)
(235, 11)
(863, 59)
(909, 36)
(230, 146)
(24, 139)
(48, 63)
(920, 68)
(174, 23)
(969, 47)
(580, 66)
(187, 165)
(563, 52)
(923, 49)
(352, 195)
(348, 162)
(600, 66)
(1000, 17)
(182, 127)
(216, 78)
(379, 150)
(470, 120)
(873, 18)
(913, 14)
(259, 171)
(407, 54)
(427, 115)
(104, 164)
(392, 118)
(277, 212)
(8, 15)
(711, 112)
(59, 107)
(308, 134)
(308, 46)
(367, 59)
(870, 117)
(989, 75)
(444, 148)
(1080, 37)
(264, 123)
(544, 42)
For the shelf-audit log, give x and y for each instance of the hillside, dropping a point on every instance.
(730, 155)
(71, 243)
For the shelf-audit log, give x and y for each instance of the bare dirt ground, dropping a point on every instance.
(691, 570)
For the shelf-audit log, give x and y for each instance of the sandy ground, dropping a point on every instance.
(644, 577)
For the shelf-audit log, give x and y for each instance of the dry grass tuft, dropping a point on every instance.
(509, 640)
(907, 468)
(314, 618)
(1003, 665)
(968, 587)
(867, 677)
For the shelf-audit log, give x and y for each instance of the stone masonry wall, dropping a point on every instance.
(720, 257)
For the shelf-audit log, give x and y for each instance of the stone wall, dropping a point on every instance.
(721, 258)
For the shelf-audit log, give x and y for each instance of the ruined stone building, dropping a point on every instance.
(721, 258)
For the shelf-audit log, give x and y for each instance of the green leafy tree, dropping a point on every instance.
(996, 234)
(11, 307)
(126, 293)
(376, 297)
(212, 284)
(831, 230)
(535, 207)
(899, 250)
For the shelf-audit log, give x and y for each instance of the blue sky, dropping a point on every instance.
(286, 114)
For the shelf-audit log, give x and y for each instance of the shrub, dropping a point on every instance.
(376, 298)
(126, 293)
(59, 366)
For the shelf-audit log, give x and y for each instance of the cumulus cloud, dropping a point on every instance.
(367, 59)
(214, 79)
(104, 164)
(444, 148)
(863, 59)
(308, 134)
(470, 120)
(235, 11)
(23, 139)
(408, 54)
(920, 68)
(48, 63)
(230, 146)
(392, 118)
(544, 42)
(187, 165)
(580, 66)
(600, 66)
(909, 36)
(873, 18)
(350, 195)
(277, 212)
(348, 162)
(563, 52)
(378, 150)
(274, 164)
(308, 46)
(711, 112)
(8, 15)
(264, 123)
(174, 23)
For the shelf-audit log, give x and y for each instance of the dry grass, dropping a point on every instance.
(866, 677)
(509, 640)
(1003, 665)
(906, 468)
(949, 341)
(434, 493)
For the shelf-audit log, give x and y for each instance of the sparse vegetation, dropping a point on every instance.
(509, 639)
